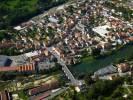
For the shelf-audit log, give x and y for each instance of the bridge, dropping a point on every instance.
(65, 68)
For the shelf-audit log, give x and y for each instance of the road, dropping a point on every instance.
(65, 68)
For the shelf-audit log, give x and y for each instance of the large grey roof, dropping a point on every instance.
(5, 61)
(107, 70)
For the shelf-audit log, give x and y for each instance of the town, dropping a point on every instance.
(61, 38)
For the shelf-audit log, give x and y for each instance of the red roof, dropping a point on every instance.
(21, 68)
(43, 88)
(4, 95)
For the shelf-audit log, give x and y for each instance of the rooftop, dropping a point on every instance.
(101, 30)
(107, 70)
(5, 61)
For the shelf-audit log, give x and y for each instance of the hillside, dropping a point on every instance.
(13, 12)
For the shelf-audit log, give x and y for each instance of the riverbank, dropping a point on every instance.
(88, 65)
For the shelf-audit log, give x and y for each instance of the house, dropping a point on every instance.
(52, 19)
(7, 44)
(43, 88)
(41, 96)
(57, 50)
(31, 54)
(123, 67)
(45, 65)
(18, 28)
(109, 77)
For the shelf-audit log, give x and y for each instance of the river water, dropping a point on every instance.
(91, 66)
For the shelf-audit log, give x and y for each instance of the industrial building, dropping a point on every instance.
(5, 61)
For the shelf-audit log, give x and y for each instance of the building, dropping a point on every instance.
(109, 77)
(101, 30)
(6, 45)
(123, 67)
(5, 61)
(18, 28)
(43, 88)
(4, 95)
(107, 70)
(45, 65)
(53, 20)
(21, 68)
(32, 54)
(41, 96)
(8, 69)
(26, 68)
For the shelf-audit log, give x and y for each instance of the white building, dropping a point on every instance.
(101, 30)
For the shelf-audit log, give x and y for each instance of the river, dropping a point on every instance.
(91, 66)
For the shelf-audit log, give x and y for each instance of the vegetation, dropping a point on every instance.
(88, 79)
(100, 90)
(126, 12)
(9, 51)
(14, 12)
(4, 35)
(22, 95)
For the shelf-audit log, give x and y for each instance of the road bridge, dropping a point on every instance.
(65, 68)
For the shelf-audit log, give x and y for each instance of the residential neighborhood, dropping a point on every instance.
(38, 58)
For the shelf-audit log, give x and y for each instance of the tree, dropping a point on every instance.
(96, 52)
(117, 93)
(119, 60)
(88, 79)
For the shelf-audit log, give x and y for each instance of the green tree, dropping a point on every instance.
(88, 79)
